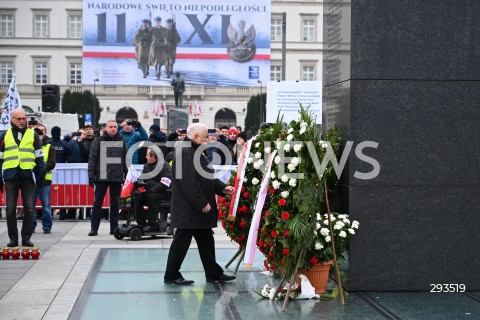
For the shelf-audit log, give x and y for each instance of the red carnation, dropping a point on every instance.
(243, 209)
(273, 266)
(243, 224)
(262, 230)
(223, 224)
(261, 243)
(246, 195)
(266, 213)
(286, 251)
(271, 254)
(286, 233)
(274, 234)
(271, 190)
(314, 260)
(230, 227)
(282, 202)
(285, 215)
(262, 250)
(243, 188)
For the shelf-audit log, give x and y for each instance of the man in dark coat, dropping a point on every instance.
(106, 168)
(159, 139)
(194, 209)
(156, 186)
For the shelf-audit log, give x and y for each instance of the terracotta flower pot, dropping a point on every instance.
(318, 275)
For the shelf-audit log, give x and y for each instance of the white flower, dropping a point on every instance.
(290, 137)
(272, 174)
(284, 194)
(256, 165)
(319, 217)
(284, 178)
(257, 145)
(324, 232)
(260, 162)
(342, 234)
(290, 130)
(258, 155)
(268, 150)
(315, 233)
(337, 227)
(255, 181)
(325, 222)
(291, 167)
(340, 224)
(303, 124)
(245, 179)
(327, 238)
(276, 184)
(278, 159)
(297, 147)
(286, 147)
(355, 224)
(292, 182)
(302, 130)
(323, 144)
(346, 221)
(250, 160)
(318, 225)
(292, 295)
(295, 161)
(351, 231)
(342, 216)
(271, 294)
(332, 217)
(318, 246)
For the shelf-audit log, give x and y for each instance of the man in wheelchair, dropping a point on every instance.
(156, 186)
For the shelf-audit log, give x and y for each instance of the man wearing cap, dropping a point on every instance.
(132, 136)
(158, 50)
(158, 138)
(43, 187)
(173, 39)
(142, 42)
(21, 158)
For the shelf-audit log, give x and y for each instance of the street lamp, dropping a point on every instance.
(261, 103)
(94, 98)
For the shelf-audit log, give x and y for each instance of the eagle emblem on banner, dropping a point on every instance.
(241, 48)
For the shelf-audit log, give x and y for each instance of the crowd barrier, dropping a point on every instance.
(70, 187)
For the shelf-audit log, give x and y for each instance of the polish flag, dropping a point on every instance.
(157, 109)
(164, 108)
(191, 107)
(198, 110)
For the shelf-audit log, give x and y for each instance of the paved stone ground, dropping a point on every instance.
(47, 288)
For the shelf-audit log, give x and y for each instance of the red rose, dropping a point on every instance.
(230, 227)
(271, 190)
(282, 202)
(271, 254)
(246, 195)
(261, 243)
(286, 251)
(274, 234)
(223, 224)
(314, 260)
(286, 233)
(243, 209)
(262, 230)
(243, 189)
(266, 213)
(243, 224)
(285, 215)
(262, 250)
(273, 267)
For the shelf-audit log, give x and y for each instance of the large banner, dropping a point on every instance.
(210, 42)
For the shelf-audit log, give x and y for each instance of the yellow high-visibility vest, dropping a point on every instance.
(22, 155)
(45, 148)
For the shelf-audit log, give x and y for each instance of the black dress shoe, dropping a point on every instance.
(46, 231)
(12, 243)
(222, 278)
(180, 281)
(27, 243)
(92, 233)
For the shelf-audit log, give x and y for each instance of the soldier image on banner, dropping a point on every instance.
(158, 50)
(142, 42)
(173, 39)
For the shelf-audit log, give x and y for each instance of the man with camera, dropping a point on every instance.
(132, 136)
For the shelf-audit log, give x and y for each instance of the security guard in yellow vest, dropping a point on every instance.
(44, 191)
(21, 159)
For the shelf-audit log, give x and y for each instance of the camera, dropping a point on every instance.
(210, 131)
(33, 122)
(131, 123)
(76, 134)
(183, 131)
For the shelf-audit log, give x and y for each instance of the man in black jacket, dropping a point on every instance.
(156, 186)
(159, 139)
(194, 209)
(106, 168)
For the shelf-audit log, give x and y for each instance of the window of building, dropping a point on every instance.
(75, 26)
(309, 24)
(6, 72)
(75, 73)
(41, 72)
(6, 25)
(40, 25)
(276, 29)
(275, 73)
(308, 73)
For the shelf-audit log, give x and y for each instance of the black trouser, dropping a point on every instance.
(100, 191)
(178, 99)
(151, 199)
(27, 187)
(178, 251)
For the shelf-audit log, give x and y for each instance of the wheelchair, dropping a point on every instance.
(134, 231)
